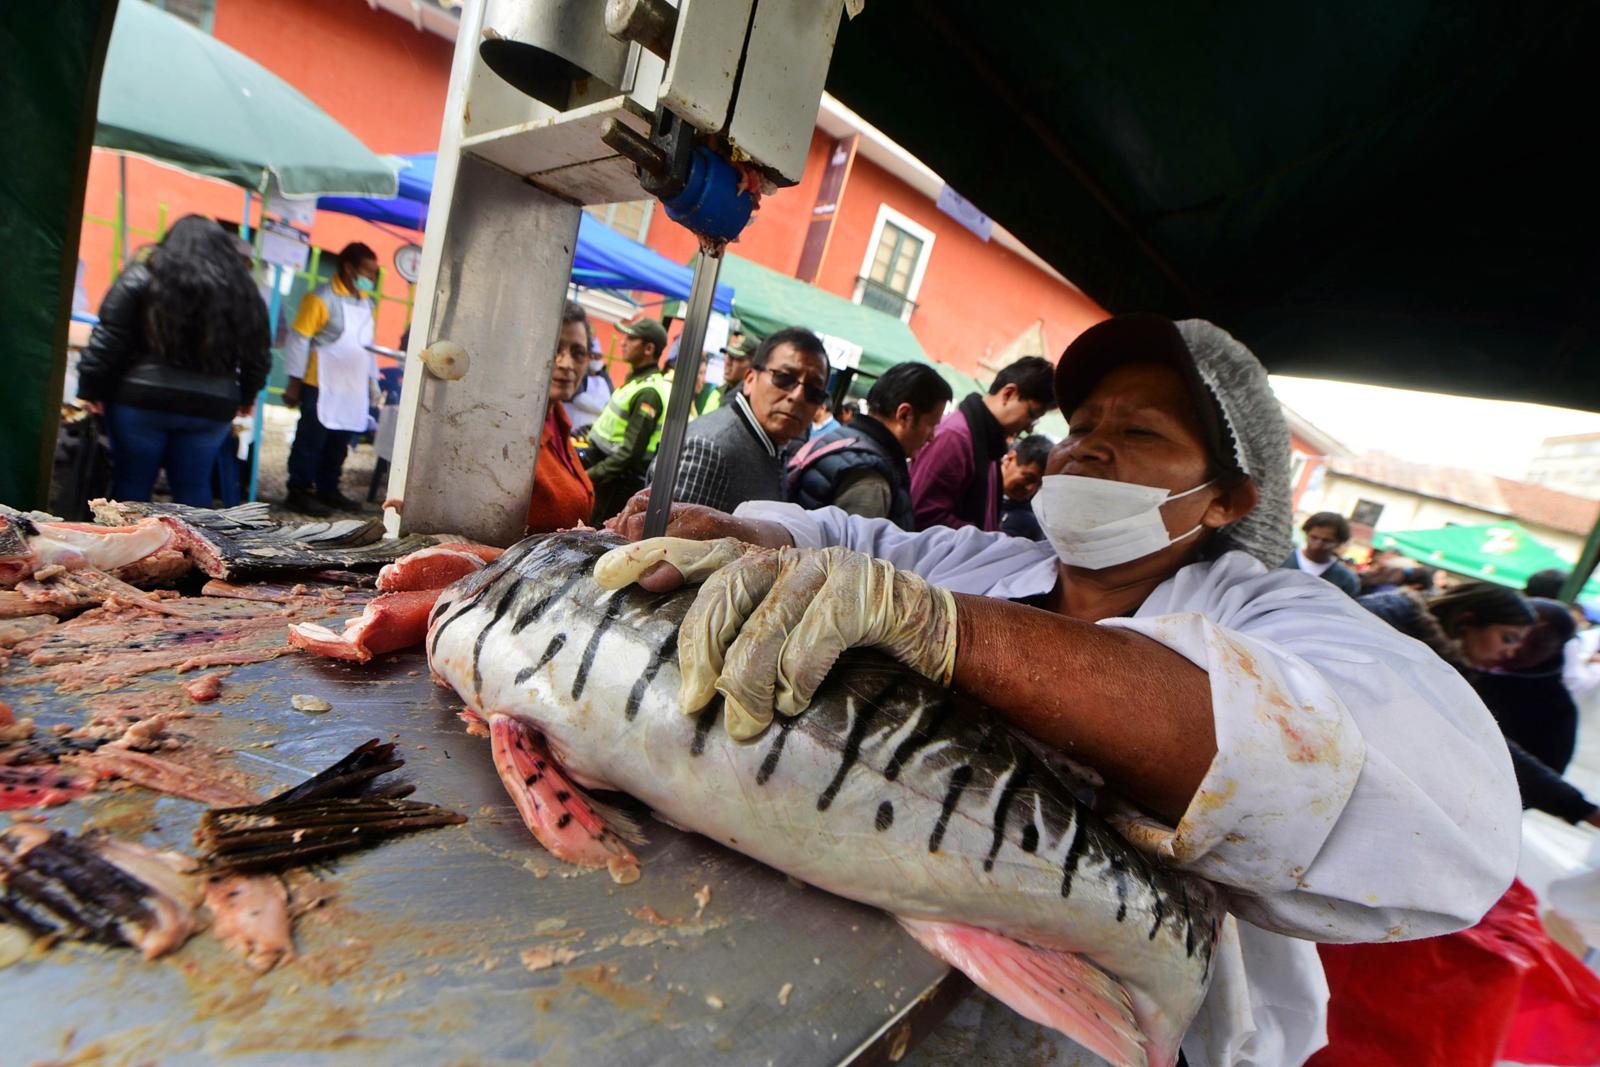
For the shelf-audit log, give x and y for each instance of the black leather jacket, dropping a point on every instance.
(120, 366)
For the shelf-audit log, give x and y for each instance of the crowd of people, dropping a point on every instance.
(773, 429)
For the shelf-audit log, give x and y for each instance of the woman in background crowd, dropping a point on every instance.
(563, 496)
(1478, 628)
(180, 349)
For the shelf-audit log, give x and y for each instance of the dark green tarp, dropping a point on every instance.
(1393, 191)
(50, 57)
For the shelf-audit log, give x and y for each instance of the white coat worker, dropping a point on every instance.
(1336, 780)
(333, 376)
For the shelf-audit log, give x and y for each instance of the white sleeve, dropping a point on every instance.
(1360, 791)
(296, 354)
(1580, 676)
(967, 560)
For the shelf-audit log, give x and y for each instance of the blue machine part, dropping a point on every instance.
(712, 204)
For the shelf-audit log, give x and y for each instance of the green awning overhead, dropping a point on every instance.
(178, 95)
(766, 301)
(1500, 552)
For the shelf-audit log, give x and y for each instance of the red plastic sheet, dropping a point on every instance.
(1499, 991)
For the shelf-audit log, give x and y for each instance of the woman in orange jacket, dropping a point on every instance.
(563, 496)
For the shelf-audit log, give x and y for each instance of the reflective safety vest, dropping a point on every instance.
(612, 425)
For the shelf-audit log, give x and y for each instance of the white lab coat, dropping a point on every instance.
(1360, 792)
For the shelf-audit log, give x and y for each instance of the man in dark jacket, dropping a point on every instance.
(1326, 533)
(1021, 474)
(955, 481)
(862, 467)
(735, 453)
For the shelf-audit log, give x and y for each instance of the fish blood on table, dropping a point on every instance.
(888, 790)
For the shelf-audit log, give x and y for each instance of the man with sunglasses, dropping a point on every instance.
(736, 453)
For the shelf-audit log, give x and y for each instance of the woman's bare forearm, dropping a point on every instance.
(1131, 708)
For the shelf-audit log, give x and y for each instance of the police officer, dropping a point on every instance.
(735, 362)
(623, 439)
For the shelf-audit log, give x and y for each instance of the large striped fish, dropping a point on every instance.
(888, 790)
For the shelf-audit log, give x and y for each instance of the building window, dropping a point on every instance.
(1366, 513)
(896, 259)
(195, 12)
(631, 219)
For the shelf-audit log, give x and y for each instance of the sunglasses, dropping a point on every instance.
(785, 381)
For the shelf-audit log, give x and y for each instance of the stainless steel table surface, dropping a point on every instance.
(417, 959)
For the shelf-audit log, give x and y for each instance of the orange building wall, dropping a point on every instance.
(374, 73)
(976, 296)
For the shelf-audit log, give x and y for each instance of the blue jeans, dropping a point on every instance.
(144, 440)
(316, 459)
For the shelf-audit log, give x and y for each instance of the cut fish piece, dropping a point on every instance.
(250, 914)
(1051, 987)
(37, 787)
(164, 776)
(554, 810)
(390, 622)
(436, 567)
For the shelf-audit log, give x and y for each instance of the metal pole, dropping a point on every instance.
(1585, 566)
(122, 210)
(690, 345)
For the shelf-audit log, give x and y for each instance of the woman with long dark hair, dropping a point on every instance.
(181, 348)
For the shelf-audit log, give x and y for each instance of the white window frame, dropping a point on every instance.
(887, 214)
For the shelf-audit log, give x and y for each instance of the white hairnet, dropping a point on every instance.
(1259, 436)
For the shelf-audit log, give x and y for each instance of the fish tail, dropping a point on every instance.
(1051, 987)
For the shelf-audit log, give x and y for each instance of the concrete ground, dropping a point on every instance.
(277, 433)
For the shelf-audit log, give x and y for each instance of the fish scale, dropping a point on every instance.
(887, 789)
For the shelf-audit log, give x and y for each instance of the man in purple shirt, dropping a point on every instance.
(955, 480)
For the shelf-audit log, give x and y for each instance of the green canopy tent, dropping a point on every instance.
(766, 301)
(1501, 552)
(180, 96)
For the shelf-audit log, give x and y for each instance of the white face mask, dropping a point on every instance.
(1096, 523)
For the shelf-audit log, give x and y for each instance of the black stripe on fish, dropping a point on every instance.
(959, 780)
(549, 654)
(501, 606)
(864, 714)
(466, 604)
(1158, 908)
(1008, 793)
(702, 726)
(561, 823)
(1188, 920)
(1030, 836)
(885, 816)
(930, 719)
(770, 762)
(540, 606)
(1119, 875)
(668, 649)
(952, 796)
(1069, 866)
(613, 608)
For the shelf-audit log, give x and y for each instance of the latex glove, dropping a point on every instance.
(769, 624)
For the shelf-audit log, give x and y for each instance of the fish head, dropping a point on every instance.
(533, 636)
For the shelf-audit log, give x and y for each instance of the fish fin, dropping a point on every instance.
(1058, 989)
(554, 810)
(624, 824)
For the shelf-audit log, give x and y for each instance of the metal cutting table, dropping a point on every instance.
(417, 958)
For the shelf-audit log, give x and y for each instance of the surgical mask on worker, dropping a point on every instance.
(366, 285)
(1096, 523)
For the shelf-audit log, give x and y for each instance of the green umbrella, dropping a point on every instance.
(178, 95)
(1501, 552)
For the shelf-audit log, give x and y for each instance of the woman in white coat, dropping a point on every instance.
(1336, 780)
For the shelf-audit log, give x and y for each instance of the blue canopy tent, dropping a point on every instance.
(604, 259)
